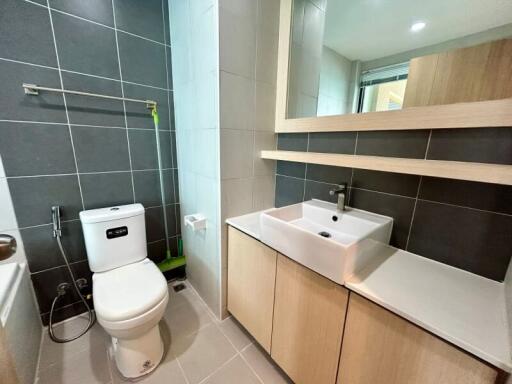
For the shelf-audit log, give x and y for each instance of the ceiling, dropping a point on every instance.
(370, 29)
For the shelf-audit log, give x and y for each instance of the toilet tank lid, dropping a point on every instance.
(111, 213)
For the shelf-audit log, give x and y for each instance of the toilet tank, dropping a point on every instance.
(114, 236)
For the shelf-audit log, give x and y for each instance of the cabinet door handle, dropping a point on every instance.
(8, 246)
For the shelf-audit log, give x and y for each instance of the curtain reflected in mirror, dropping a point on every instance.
(366, 56)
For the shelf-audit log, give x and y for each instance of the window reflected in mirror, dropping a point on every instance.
(374, 55)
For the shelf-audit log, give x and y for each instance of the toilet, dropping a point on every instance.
(129, 291)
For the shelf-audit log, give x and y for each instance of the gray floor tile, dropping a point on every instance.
(236, 371)
(202, 353)
(264, 367)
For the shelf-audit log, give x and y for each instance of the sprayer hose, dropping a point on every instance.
(82, 298)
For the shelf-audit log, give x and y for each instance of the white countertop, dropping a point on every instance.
(463, 308)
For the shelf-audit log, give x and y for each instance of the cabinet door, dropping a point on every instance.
(251, 280)
(380, 347)
(309, 313)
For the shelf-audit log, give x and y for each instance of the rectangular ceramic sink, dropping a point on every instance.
(334, 244)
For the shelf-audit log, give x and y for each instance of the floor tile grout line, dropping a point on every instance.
(65, 102)
(218, 369)
(239, 352)
(124, 103)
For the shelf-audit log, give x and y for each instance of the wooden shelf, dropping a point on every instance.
(487, 173)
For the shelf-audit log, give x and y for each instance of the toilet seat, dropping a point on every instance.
(131, 292)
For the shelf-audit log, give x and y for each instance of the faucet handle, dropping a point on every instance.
(342, 187)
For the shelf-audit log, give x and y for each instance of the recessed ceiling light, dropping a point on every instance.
(418, 26)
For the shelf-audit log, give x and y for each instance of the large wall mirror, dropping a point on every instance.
(359, 56)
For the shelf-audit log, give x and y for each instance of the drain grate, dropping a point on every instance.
(179, 287)
(324, 234)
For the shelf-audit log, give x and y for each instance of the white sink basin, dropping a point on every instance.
(354, 236)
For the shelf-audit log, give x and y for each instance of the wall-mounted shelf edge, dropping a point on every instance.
(494, 113)
(487, 173)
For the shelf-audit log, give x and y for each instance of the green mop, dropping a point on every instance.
(170, 262)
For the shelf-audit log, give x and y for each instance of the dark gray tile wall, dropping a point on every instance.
(464, 224)
(83, 153)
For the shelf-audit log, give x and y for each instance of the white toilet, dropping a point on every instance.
(129, 291)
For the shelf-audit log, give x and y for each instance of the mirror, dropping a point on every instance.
(358, 56)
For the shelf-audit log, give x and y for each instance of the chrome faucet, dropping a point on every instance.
(341, 191)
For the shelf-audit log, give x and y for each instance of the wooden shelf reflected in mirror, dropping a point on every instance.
(480, 172)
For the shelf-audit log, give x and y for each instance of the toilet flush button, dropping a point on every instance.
(114, 209)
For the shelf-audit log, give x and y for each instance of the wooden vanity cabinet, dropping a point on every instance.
(251, 280)
(309, 314)
(380, 347)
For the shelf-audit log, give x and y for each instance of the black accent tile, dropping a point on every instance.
(36, 149)
(155, 229)
(320, 191)
(481, 145)
(147, 188)
(42, 250)
(169, 68)
(394, 183)
(157, 251)
(476, 241)
(143, 149)
(397, 207)
(16, 105)
(66, 312)
(167, 27)
(169, 188)
(178, 219)
(26, 33)
(85, 47)
(91, 110)
(46, 282)
(102, 190)
(99, 11)
(489, 197)
(138, 115)
(292, 141)
(33, 198)
(101, 149)
(174, 150)
(328, 174)
(288, 191)
(142, 61)
(143, 18)
(288, 168)
(176, 186)
(171, 220)
(332, 142)
(409, 144)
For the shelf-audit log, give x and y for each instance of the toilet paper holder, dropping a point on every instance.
(196, 221)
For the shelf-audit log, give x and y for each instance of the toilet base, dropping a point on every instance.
(139, 356)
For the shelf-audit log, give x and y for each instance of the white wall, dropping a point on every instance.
(305, 57)
(194, 47)
(334, 93)
(249, 32)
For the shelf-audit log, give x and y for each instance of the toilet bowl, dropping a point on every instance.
(129, 292)
(129, 302)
